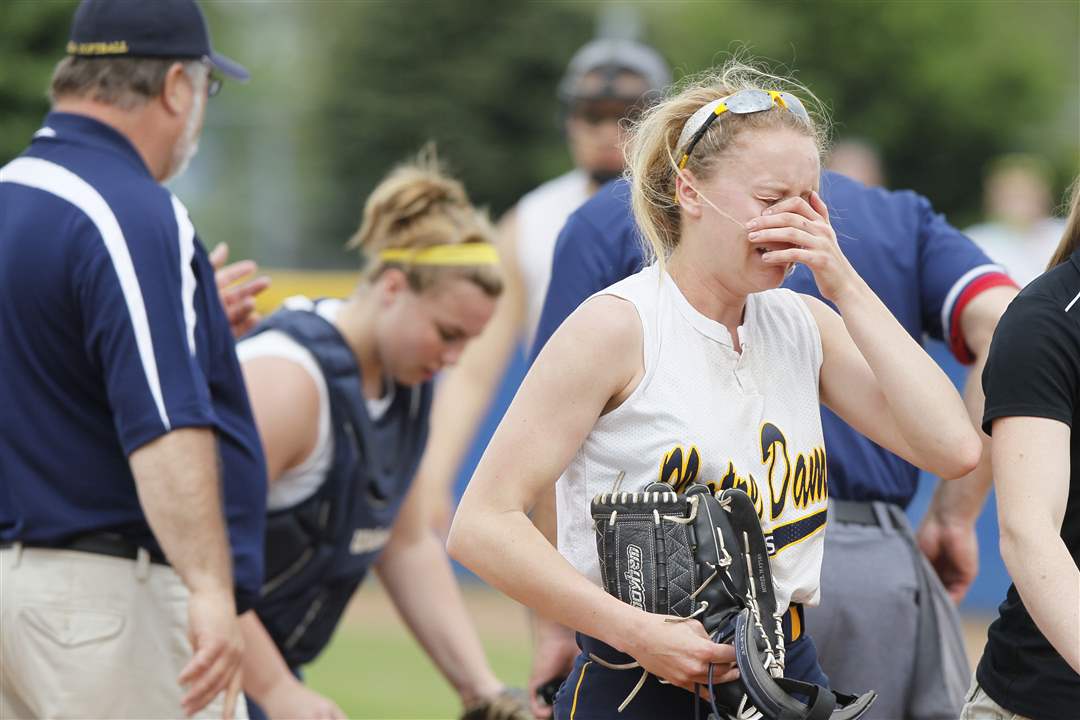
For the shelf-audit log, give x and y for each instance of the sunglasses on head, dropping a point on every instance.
(744, 102)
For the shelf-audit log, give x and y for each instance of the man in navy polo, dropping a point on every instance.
(885, 621)
(132, 482)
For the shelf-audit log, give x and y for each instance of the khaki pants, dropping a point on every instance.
(979, 706)
(92, 636)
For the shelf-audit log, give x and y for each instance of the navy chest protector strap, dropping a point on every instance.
(320, 549)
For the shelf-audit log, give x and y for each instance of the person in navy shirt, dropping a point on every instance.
(132, 480)
(937, 283)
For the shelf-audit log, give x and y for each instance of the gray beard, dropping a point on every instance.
(188, 143)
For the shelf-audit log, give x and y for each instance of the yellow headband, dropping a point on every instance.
(471, 253)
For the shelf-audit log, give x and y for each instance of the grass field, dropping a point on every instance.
(375, 670)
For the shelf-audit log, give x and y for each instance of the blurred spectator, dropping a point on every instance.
(607, 82)
(1020, 231)
(858, 159)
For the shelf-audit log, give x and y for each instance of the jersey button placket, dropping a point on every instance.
(743, 376)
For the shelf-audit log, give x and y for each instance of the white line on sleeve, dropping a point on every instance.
(187, 275)
(59, 181)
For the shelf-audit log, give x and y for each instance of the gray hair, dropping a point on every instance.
(123, 82)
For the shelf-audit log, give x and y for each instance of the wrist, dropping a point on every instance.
(627, 633)
(951, 516)
(478, 689)
(212, 589)
(546, 630)
(955, 522)
(852, 293)
(264, 689)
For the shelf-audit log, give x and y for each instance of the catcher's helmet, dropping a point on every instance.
(611, 56)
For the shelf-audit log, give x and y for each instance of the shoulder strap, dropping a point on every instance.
(338, 365)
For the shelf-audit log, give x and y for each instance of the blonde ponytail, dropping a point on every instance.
(416, 206)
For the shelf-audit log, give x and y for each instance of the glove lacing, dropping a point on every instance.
(725, 562)
(774, 651)
(774, 661)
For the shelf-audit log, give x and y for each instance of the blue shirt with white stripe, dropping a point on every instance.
(922, 268)
(111, 335)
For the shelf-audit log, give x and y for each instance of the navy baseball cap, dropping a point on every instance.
(146, 28)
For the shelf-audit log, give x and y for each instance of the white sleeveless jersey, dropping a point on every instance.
(540, 215)
(703, 412)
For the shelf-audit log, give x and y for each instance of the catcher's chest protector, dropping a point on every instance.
(703, 556)
(319, 550)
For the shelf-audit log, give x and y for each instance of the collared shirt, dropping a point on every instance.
(923, 269)
(111, 335)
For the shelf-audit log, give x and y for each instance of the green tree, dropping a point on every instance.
(940, 87)
(32, 38)
(479, 78)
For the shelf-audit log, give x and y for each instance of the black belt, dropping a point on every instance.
(102, 543)
(853, 513)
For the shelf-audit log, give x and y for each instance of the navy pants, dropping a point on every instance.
(593, 692)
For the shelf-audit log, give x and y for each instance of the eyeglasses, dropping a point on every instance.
(744, 102)
(213, 82)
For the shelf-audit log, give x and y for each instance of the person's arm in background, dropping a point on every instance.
(237, 289)
(554, 646)
(269, 682)
(586, 260)
(962, 295)
(416, 572)
(1030, 515)
(946, 534)
(464, 394)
